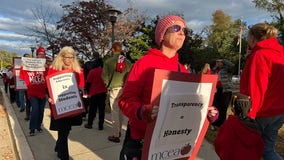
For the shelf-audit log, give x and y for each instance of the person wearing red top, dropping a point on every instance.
(262, 79)
(206, 69)
(135, 98)
(237, 141)
(66, 60)
(36, 93)
(96, 88)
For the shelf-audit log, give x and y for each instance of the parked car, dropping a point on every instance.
(235, 79)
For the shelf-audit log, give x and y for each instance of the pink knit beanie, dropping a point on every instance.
(163, 25)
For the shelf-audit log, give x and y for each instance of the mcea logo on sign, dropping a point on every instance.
(172, 153)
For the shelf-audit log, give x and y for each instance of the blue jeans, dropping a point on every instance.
(20, 99)
(269, 129)
(37, 110)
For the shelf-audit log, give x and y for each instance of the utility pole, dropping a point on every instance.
(240, 47)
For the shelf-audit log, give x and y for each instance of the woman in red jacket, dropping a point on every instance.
(66, 60)
(134, 102)
(262, 79)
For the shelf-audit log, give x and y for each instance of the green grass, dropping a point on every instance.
(211, 135)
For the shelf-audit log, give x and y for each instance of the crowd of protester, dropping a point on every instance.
(126, 89)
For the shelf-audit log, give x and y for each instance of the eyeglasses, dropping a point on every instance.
(177, 28)
(68, 57)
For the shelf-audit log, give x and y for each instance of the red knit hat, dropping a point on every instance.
(163, 25)
(40, 50)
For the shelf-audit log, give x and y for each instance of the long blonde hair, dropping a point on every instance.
(206, 68)
(58, 63)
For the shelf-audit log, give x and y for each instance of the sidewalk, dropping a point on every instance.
(84, 144)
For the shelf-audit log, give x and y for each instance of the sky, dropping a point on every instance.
(16, 15)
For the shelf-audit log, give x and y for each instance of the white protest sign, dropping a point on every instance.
(20, 84)
(65, 94)
(33, 64)
(17, 62)
(182, 112)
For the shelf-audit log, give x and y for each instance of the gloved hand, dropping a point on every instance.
(147, 112)
(212, 114)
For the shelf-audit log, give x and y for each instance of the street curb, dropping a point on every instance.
(22, 147)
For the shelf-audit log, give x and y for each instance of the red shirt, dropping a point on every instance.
(262, 79)
(208, 71)
(97, 83)
(35, 81)
(235, 141)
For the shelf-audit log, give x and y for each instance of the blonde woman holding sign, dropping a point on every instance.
(66, 60)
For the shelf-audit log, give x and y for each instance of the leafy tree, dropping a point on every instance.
(222, 37)
(142, 41)
(87, 27)
(6, 58)
(84, 27)
(219, 32)
(274, 7)
(129, 24)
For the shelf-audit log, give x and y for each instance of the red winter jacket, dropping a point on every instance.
(236, 141)
(138, 87)
(262, 78)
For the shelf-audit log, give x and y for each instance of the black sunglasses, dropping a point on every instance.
(177, 28)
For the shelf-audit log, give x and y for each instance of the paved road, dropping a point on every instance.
(84, 144)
